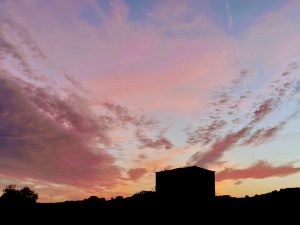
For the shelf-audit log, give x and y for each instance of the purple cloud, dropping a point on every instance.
(43, 137)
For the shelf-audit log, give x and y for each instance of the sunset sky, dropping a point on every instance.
(98, 95)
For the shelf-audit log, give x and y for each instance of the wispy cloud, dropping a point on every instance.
(121, 73)
(261, 136)
(130, 62)
(59, 134)
(218, 148)
(259, 170)
(45, 137)
(217, 135)
(229, 17)
(159, 142)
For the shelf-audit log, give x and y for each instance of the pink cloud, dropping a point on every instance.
(214, 132)
(160, 142)
(44, 137)
(264, 109)
(59, 134)
(136, 173)
(136, 64)
(53, 138)
(125, 116)
(205, 134)
(261, 136)
(167, 90)
(218, 148)
(259, 170)
(163, 64)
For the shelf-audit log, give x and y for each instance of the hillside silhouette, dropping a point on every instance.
(282, 204)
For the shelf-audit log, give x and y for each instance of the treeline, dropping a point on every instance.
(12, 196)
(285, 202)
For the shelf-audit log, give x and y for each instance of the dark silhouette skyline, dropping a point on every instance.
(96, 95)
(174, 201)
(194, 183)
(188, 185)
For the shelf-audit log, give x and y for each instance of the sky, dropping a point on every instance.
(96, 96)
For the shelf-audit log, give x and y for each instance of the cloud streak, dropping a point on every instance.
(158, 143)
(218, 148)
(229, 17)
(247, 132)
(130, 62)
(50, 141)
(259, 170)
(86, 110)
(58, 134)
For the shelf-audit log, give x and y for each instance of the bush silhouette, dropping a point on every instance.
(95, 200)
(28, 195)
(13, 196)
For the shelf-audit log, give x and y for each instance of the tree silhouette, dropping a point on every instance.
(27, 195)
(13, 196)
(10, 194)
(95, 200)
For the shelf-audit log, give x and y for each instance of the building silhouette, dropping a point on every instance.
(186, 184)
